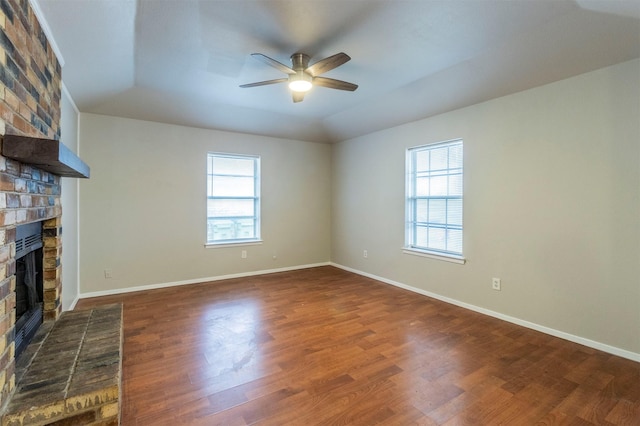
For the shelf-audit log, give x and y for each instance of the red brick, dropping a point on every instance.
(10, 235)
(5, 288)
(7, 217)
(11, 267)
(5, 324)
(6, 113)
(12, 100)
(6, 182)
(22, 125)
(10, 301)
(16, 107)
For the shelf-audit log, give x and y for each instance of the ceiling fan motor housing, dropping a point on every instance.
(301, 77)
(300, 81)
(300, 61)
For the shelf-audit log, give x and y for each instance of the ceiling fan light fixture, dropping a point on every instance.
(302, 77)
(300, 81)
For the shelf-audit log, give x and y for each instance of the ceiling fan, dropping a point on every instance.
(303, 77)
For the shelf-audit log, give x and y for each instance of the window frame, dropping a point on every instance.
(411, 202)
(256, 198)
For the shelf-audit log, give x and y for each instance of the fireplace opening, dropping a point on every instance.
(29, 283)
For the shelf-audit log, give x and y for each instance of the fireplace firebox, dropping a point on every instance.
(29, 283)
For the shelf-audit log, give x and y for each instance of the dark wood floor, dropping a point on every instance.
(324, 346)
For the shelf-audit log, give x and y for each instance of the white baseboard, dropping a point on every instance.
(193, 281)
(75, 301)
(553, 332)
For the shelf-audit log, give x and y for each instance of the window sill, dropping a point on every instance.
(234, 244)
(435, 255)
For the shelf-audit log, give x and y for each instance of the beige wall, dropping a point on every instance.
(143, 210)
(69, 200)
(552, 206)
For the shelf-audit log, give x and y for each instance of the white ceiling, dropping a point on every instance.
(181, 61)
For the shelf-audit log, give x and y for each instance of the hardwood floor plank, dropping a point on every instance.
(323, 346)
(624, 413)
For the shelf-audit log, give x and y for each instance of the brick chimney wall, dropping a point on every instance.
(30, 89)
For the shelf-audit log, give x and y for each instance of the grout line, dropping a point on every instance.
(75, 361)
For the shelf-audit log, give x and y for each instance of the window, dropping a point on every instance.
(233, 198)
(434, 199)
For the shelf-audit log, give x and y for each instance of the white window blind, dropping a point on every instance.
(434, 198)
(233, 198)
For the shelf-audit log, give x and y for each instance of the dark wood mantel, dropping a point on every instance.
(47, 154)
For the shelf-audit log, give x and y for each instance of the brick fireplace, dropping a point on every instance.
(30, 89)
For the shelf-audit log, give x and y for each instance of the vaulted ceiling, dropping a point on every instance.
(181, 61)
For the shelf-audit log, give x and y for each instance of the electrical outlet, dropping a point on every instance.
(496, 284)
(243, 254)
(365, 254)
(108, 273)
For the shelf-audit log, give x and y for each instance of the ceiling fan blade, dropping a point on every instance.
(277, 65)
(264, 83)
(327, 64)
(298, 96)
(334, 84)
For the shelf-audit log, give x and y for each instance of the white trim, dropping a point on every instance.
(37, 10)
(198, 280)
(78, 251)
(234, 244)
(551, 331)
(433, 255)
(78, 218)
(432, 145)
(74, 303)
(70, 99)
